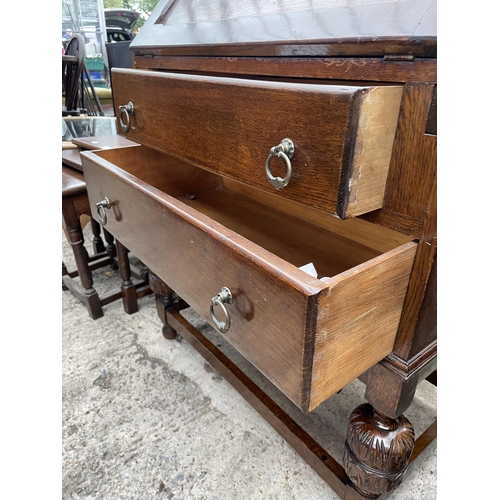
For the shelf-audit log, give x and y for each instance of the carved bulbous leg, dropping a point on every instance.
(377, 450)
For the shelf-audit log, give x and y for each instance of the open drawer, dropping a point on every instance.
(309, 336)
(342, 134)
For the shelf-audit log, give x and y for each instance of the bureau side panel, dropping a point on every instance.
(196, 257)
(358, 317)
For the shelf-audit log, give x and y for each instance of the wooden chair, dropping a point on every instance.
(79, 92)
(75, 203)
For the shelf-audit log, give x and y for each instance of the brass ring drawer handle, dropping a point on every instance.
(283, 150)
(224, 297)
(126, 111)
(101, 210)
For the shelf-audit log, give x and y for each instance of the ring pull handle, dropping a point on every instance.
(101, 210)
(224, 297)
(283, 150)
(126, 111)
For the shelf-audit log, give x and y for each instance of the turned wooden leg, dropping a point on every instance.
(165, 299)
(97, 243)
(110, 248)
(91, 298)
(72, 226)
(129, 294)
(377, 451)
(144, 272)
(64, 273)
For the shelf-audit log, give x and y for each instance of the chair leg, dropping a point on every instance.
(74, 231)
(64, 273)
(129, 294)
(165, 299)
(110, 247)
(91, 298)
(97, 242)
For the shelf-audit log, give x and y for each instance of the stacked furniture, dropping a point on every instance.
(80, 96)
(75, 206)
(285, 188)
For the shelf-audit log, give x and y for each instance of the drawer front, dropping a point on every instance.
(342, 135)
(308, 337)
(196, 260)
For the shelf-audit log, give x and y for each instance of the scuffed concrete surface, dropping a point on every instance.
(146, 418)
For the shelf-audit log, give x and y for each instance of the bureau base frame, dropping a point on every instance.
(312, 452)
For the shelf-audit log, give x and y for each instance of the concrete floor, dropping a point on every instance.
(144, 417)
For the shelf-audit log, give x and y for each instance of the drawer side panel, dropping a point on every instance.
(376, 128)
(358, 318)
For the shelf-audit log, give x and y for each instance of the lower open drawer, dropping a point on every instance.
(310, 336)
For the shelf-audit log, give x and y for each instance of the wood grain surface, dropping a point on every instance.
(343, 134)
(103, 142)
(279, 315)
(367, 69)
(73, 182)
(359, 312)
(353, 84)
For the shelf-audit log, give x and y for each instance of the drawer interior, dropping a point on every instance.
(332, 249)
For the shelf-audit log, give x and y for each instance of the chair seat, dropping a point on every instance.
(73, 182)
(75, 205)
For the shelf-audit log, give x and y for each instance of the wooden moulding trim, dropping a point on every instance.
(342, 68)
(416, 46)
(407, 369)
(431, 126)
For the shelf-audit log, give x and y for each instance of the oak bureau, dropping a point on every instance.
(284, 187)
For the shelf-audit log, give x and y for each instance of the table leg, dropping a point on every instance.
(129, 294)
(74, 231)
(97, 242)
(110, 247)
(64, 273)
(165, 298)
(377, 451)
